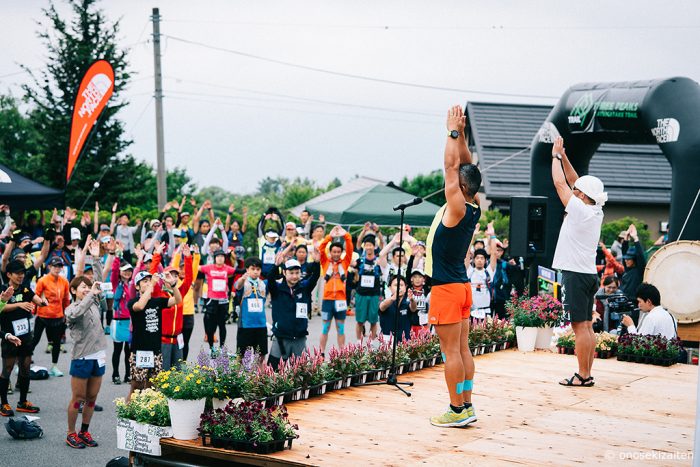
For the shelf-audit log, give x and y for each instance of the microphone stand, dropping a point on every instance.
(391, 379)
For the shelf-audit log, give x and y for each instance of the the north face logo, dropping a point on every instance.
(667, 130)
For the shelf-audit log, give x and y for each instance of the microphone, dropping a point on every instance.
(408, 204)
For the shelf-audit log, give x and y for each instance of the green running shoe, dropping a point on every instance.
(452, 419)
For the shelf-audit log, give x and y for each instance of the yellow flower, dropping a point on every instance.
(216, 390)
(199, 381)
(153, 414)
(196, 372)
(177, 388)
(166, 385)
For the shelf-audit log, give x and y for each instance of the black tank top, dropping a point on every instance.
(447, 247)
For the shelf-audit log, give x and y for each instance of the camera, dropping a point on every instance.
(618, 306)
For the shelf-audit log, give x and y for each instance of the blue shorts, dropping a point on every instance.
(86, 368)
(328, 311)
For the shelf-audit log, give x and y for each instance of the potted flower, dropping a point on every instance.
(146, 417)
(550, 311)
(526, 321)
(186, 390)
(566, 342)
(605, 344)
(248, 427)
(339, 360)
(380, 358)
(231, 378)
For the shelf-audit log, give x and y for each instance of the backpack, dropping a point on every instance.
(22, 428)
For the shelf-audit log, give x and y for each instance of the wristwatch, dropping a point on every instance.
(556, 156)
(454, 134)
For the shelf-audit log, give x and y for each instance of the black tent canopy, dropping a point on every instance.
(22, 193)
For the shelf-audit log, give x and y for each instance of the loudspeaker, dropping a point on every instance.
(528, 221)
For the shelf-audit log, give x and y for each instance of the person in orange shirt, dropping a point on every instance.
(334, 268)
(54, 288)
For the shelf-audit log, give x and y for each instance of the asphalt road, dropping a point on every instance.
(53, 395)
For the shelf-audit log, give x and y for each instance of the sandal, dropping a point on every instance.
(584, 382)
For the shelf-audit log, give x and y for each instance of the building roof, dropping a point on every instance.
(631, 173)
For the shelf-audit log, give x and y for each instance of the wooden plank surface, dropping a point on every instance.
(525, 418)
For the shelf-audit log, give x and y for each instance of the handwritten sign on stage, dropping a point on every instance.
(140, 437)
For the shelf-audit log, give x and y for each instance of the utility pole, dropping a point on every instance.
(158, 75)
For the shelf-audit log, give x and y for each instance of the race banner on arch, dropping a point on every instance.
(95, 90)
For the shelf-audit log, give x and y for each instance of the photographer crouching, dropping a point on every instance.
(654, 319)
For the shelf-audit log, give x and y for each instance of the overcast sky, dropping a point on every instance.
(231, 120)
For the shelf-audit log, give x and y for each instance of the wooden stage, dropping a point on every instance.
(525, 418)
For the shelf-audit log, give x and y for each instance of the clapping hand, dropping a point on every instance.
(633, 232)
(558, 147)
(489, 229)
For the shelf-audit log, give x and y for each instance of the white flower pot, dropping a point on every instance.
(544, 338)
(526, 338)
(185, 416)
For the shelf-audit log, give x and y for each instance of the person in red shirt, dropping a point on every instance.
(172, 340)
(216, 307)
(55, 290)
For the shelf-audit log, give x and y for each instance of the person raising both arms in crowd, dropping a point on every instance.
(575, 255)
(216, 308)
(87, 360)
(146, 310)
(448, 242)
(369, 289)
(334, 268)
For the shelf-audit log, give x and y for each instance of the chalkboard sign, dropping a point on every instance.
(141, 437)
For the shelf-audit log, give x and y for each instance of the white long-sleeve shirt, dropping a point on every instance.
(658, 321)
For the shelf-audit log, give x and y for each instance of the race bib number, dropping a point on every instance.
(106, 286)
(302, 311)
(269, 257)
(423, 318)
(101, 362)
(420, 302)
(341, 305)
(403, 311)
(145, 359)
(367, 281)
(180, 342)
(218, 285)
(20, 326)
(255, 305)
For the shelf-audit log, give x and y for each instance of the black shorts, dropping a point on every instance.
(26, 349)
(252, 337)
(187, 321)
(577, 295)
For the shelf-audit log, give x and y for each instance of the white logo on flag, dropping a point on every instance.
(93, 93)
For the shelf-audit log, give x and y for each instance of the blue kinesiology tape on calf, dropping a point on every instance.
(443, 357)
(341, 329)
(326, 327)
(460, 388)
(467, 385)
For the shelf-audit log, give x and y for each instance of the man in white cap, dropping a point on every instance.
(575, 255)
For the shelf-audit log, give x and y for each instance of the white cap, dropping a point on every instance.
(291, 264)
(593, 188)
(75, 234)
(141, 276)
(147, 257)
(126, 267)
(272, 234)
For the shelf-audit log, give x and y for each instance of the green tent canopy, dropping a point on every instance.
(373, 204)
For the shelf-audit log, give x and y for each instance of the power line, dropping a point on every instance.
(352, 75)
(141, 114)
(312, 101)
(389, 27)
(283, 109)
(486, 169)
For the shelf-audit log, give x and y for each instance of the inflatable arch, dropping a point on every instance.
(664, 112)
